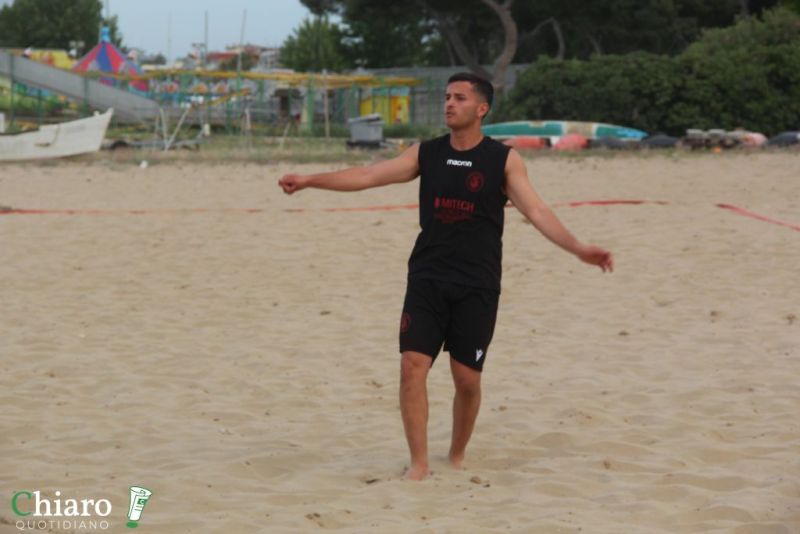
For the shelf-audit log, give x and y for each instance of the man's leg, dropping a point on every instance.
(466, 404)
(414, 367)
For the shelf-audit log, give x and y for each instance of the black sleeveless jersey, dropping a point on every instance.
(461, 213)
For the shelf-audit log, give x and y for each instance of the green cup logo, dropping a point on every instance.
(139, 497)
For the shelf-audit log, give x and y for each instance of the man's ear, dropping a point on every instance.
(483, 107)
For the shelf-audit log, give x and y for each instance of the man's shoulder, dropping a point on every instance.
(494, 144)
(496, 150)
(430, 147)
(435, 141)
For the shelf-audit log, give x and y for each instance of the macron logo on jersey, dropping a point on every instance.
(459, 163)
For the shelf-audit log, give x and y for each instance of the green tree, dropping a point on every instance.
(315, 45)
(469, 32)
(495, 32)
(248, 62)
(392, 37)
(623, 26)
(49, 23)
(794, 5)
(635, 90)
(747, 75)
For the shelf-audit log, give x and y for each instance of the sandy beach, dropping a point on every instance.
(234, 350)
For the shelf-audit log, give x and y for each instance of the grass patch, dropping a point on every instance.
(224, 150)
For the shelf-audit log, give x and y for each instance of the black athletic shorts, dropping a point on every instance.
(461, 317)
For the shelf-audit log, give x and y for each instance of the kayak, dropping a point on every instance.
(558, 129)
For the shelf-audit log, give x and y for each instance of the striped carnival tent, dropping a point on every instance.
(105, 57)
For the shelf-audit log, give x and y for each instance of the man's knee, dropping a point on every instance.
(414, 366)
(467, 382)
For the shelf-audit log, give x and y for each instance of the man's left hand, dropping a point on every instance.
(597, 256)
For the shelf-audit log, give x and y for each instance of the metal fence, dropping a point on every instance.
(427, 98)
(250, 102)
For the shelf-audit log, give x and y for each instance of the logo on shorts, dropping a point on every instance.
(475, 182)
(478, 355)
(405, 322)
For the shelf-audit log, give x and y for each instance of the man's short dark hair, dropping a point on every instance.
(482, 86)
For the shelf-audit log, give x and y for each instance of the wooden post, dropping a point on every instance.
(325, 103)
(11, 94)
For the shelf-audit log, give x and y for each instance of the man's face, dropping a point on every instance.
(463, 105)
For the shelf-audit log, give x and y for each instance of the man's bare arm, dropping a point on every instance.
(528, 202)
(403, 168)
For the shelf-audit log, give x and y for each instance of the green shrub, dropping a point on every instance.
(412, 131)
(745, 76)
(633, 89)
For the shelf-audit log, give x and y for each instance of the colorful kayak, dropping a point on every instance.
(557, 129)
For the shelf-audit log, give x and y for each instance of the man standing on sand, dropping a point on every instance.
(455, 266)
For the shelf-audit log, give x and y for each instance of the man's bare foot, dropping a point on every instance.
(457, 461)
(416, 472)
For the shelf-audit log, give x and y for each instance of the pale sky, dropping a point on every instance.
(144, 23)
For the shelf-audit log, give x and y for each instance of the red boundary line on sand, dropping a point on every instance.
(580, 203)
(129, 212)
(392, 207)
(747, 213)
(389, 207)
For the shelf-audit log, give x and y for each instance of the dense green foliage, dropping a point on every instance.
(248, 62)
(29, 106)
(401, 34)
(745, 76)
(634, 90)
(53, 24)
(315, 46)
(794, 5)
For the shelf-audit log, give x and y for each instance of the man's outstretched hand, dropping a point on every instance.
(291, 183)
(597, 256)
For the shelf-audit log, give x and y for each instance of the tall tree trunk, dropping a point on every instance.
(745, 7)
(595, 44)
(562, 47)
(502, 62)
(511, 34)
(459, 47)
(450, 54)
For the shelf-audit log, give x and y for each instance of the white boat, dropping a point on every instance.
(71, 138)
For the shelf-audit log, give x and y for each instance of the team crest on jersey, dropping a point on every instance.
(474, 182)
(405, 322)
